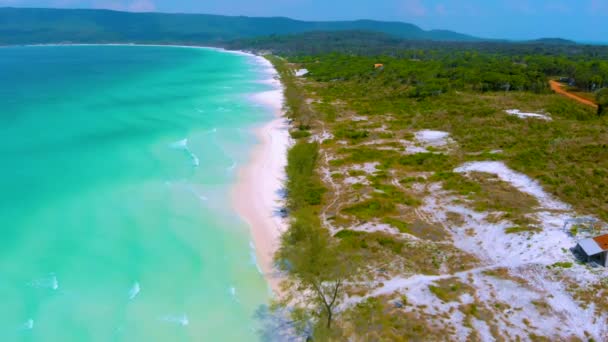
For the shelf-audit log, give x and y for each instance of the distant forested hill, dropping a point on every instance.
(367, 43)
(35, 25)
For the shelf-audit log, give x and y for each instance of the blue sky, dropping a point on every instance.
(582, 20)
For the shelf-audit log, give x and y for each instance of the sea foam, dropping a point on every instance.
(134, 291)
(176, 319)
(46, 282)
(183, 145)
(28, 325)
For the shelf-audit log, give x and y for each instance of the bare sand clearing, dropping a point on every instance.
(258, 194)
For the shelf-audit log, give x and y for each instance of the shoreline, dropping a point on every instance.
(215, 48)
(257, 194)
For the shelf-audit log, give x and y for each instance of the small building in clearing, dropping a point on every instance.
(594, 249)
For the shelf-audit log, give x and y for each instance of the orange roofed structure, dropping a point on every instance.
(595, 249)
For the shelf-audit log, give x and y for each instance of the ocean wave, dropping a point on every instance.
(134, 291)
(28, 325)
(49, 282)
(253, 259)
(180, 144)
(195, 160)
(176, 319)
(252, 255)
(183, 145)
(193, 191)
(233, 294)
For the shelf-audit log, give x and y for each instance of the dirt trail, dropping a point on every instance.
(557, 87)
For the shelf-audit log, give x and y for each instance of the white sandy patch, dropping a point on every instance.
(320, 138)
(257, 194)
(368, 168)
(433, 138)
(356, 180)
(370, 227)
(411, 148)
(523, 115)
(530, 256)
(520, 181)
(358, 118)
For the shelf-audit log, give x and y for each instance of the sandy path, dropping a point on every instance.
(557, 87)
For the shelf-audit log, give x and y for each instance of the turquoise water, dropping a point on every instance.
(116, 170)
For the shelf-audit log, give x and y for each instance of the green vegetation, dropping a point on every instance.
(314, 263)
(374, 115)
(299, 134)
(518, 229)
(561, 265)
(568, 155)
(439, 72)
(602, 101)
(403, 227)
(303, 186)
(371, 208)
(377, 319)
(449, 290)
(346, 132)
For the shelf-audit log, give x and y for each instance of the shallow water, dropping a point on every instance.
(116, 169)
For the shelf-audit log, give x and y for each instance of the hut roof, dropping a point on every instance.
(602, 241)
(596, 245)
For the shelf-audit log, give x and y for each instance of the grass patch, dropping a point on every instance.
(346, 132)
(426, 162)
(303, 185)
(450, 290)
(402, 226)
(370, 209)
(377, 319)
(394, 194)
(503, 273)
(299, 134)
(428, 231)
(518, 230)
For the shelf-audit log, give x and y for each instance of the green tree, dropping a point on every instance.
(316, 270)
(602, 101)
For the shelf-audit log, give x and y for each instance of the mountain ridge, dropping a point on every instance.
(48, 25)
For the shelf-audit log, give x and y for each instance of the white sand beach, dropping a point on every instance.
(257, 194)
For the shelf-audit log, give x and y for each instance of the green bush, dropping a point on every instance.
(370, 209)
(303, 186)
(299, 134)
(400, 225)
(426, 161)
